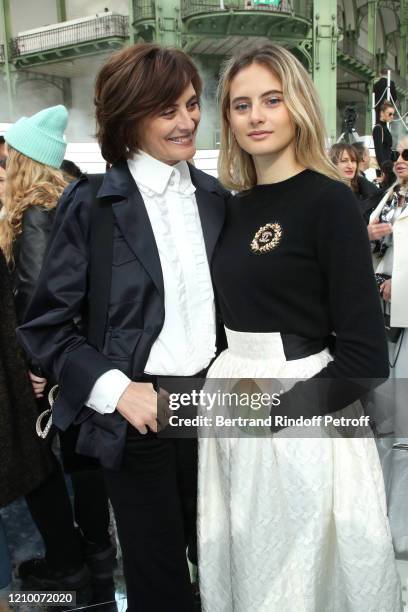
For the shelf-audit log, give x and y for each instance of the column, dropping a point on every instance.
(325, 60)
(168, 23)
(5, 25)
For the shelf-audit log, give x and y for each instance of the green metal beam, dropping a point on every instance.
(61, 11)
(168, 22)
(372, 26)
(5, 25)
(132, 33)
(403, 38)
(325, 59)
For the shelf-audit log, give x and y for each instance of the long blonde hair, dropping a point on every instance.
(28, 183)
(235, 167)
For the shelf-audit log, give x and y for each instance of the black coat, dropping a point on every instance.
(51, 333)
(24, 460)
(382, 142)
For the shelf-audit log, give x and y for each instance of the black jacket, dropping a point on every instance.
(382, 142)
(136, 310)
(29, 250)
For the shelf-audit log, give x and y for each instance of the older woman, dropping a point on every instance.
(389, 227)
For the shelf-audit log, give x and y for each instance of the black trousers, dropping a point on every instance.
(154, 498)
(51, 510)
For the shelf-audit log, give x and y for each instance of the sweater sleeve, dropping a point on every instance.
(360, 360)
(378, 143)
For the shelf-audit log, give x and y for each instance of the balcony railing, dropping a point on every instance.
(104, 26)
(144, 9)
(194, 7)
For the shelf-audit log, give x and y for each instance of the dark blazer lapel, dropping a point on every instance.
(210, 199)
(134, 223)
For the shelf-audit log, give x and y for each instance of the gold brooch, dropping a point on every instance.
(267, 238)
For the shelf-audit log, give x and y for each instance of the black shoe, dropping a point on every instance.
(38, 573)
(101, 560)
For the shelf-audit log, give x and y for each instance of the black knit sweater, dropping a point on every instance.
(317, 280)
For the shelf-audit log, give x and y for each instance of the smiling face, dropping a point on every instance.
(347, 166)
(258, 116)
(401, 166)
(170, 136)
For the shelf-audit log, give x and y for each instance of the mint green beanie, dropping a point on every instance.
(41, 137)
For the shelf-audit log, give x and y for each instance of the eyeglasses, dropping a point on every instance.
(395, 155)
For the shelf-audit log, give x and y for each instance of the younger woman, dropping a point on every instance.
(289, 523)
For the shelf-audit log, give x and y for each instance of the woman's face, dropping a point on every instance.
(170, 137)
(258, 116)
(401, 166)
(387, 114)
(2, 184)
(347, 166)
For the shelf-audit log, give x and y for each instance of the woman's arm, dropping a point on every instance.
(36, 229)
(361, 355)
(50, 335)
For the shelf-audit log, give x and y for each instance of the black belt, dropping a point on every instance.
(155, 378)
(298, 347)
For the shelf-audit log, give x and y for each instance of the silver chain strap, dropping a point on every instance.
(43, 433)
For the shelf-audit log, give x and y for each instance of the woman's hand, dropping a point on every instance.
(377, 230)
(385, 290)
(38, 384)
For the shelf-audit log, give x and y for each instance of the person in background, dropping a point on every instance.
(387, 175)
(363, 156)
(345, 158)
(381, 134)
(24, 461)
(2, 183)
(388, 225)
(36, 150)
(3, 148)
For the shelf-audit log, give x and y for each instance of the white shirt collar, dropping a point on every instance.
(154, 176)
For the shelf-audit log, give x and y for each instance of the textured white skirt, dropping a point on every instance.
(290, 524)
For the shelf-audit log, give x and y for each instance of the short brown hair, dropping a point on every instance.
(135, 83)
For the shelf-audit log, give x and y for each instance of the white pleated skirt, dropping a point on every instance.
(289, 524)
